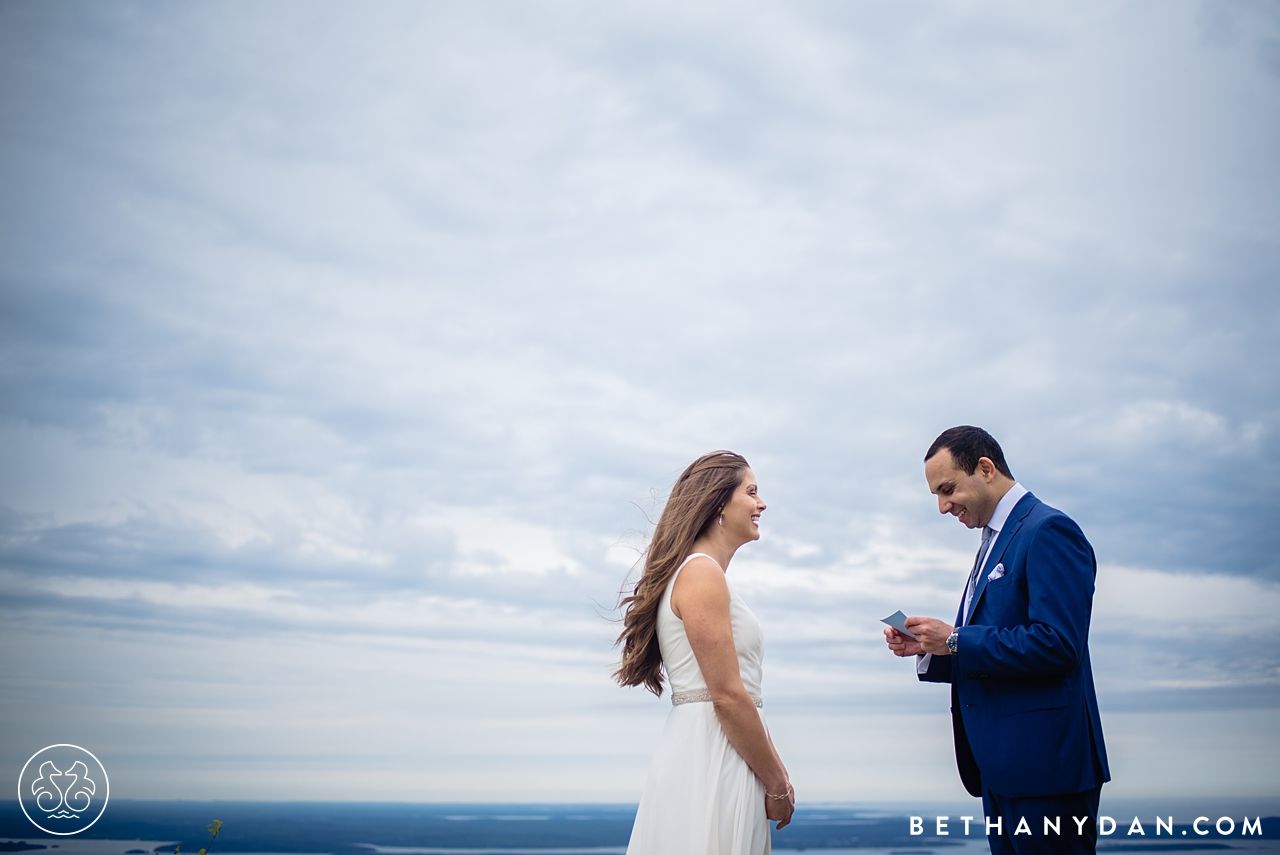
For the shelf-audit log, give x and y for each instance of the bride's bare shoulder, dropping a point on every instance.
(700, 564)
(700, 577)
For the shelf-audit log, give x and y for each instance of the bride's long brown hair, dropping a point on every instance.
(698, 497)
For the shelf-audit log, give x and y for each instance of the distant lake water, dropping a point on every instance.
(357, 828)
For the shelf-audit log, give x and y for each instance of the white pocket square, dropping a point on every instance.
(995, 574)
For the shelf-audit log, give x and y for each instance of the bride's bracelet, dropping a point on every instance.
(785, 795)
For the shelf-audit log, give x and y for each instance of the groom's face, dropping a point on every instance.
(969, 498)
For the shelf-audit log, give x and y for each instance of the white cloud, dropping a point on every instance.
(1160, 604)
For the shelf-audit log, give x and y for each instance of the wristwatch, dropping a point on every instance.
(953, 640)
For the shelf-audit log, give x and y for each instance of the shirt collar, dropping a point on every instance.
(1005, 506)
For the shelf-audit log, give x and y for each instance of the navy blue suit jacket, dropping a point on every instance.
(1023, 706)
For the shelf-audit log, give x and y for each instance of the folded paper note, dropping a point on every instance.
(898, 621)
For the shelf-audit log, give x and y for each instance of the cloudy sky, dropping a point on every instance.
(348, 351)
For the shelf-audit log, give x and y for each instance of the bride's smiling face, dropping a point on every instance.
(742, 514)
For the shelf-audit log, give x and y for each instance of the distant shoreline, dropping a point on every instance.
(373, 828)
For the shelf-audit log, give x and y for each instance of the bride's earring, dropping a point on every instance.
(722, 519)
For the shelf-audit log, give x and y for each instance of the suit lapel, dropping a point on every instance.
(1007, 534)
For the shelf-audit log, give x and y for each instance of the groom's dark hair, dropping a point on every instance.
(968, 445)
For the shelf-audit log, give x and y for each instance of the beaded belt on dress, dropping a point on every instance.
(702, 696)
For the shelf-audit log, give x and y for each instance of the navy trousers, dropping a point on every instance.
(1014, 838)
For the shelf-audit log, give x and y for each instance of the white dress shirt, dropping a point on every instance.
(998, 518)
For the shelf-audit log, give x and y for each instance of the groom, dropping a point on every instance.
(1028, 736)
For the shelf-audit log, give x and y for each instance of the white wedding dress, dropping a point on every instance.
(701, 797)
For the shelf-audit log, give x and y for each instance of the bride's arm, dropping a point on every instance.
(701, 600)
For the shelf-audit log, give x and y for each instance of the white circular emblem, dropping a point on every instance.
(63, 789)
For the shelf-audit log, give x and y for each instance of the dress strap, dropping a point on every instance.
(693, 555)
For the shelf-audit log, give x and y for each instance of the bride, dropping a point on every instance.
(716, 780)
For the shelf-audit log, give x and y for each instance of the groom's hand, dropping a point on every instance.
(931, 634)
(901, 644)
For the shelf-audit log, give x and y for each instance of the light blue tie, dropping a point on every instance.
(987, 534)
